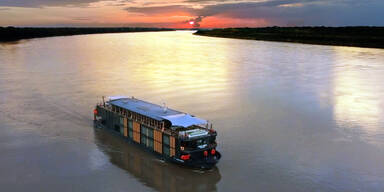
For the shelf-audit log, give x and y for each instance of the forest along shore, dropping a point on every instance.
(372, 37)
(18, 33)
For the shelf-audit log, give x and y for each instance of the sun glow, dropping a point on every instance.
(191, 22)
(357, 96)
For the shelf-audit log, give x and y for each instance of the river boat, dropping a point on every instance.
(172, 135)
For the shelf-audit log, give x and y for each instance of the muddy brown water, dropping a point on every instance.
(290, 117)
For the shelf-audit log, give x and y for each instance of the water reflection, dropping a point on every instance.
(356, 91)
(305, 114)
(163, 67)
(151, 171)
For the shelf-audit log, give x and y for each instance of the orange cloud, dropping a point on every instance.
(178, 13)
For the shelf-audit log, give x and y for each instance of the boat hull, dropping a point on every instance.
(206, 163)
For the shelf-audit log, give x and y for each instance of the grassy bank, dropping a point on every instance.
(346, 36)
(16, 33)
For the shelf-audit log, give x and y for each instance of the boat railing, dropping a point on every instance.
(157, 126)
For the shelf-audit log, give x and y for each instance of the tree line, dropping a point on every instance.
(346, 36)
(17, 33)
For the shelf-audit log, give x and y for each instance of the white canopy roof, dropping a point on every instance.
(111, 98)
(184, 120)
(156, 112)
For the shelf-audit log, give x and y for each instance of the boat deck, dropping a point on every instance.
(157, 112)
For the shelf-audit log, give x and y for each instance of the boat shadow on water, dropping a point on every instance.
(151, 170)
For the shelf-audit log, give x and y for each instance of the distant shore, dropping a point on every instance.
(18, 33)
(372, 37)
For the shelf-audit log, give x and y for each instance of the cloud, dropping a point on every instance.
(214, 1)
(42, 3)
(160, 10)
(213, 9)
(271, 12)
(252, 9)
(285, 12)
(310, 12)
(81, 19)
(196, 21)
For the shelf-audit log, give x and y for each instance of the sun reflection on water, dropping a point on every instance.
(162, 63)
(357, 91)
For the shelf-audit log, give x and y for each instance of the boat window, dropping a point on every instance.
(150, 143)
(166, 150)
(130, 133)
(130, 126)
(166, 139)
(195, 143)
(201, 142)
(144, 140)
(144, 130)
(150, 133)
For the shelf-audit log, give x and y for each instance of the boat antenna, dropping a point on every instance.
(103, 101)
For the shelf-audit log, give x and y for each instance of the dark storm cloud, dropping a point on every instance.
(209, 1)
(41, 3)
(266, 9)
(156, 10)
(310, 12)
(196, 21)
(213, 9)
(287, 12)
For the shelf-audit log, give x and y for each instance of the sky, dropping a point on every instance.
(190, 13)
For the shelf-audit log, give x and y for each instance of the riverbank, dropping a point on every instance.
(372, 37)
(16, 33)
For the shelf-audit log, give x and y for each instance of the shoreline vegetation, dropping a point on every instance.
(8, 34)
(370, 37)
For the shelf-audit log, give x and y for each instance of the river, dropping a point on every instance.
(290, 117)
